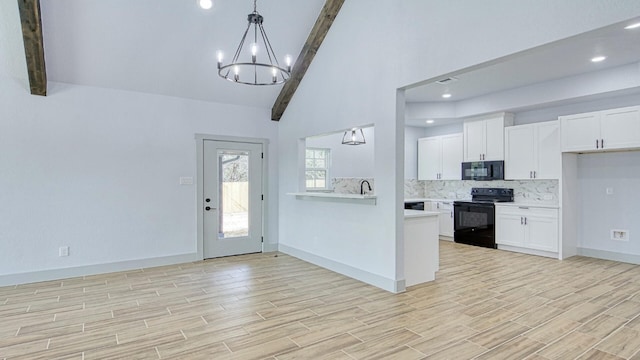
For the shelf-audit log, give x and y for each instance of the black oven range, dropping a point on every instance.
(474, 220)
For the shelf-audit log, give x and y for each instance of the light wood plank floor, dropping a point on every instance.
(485, 304)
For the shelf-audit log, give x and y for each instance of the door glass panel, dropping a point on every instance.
(234, 193)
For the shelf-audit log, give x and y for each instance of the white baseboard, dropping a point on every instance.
(609, 255)
(394, 286)
(65, 273)
(528, 251)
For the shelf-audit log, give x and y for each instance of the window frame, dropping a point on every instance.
(326, 169)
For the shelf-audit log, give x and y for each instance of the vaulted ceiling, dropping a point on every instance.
(166, 47)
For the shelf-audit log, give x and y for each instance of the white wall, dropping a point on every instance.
(411, 136)
(355, 76)
(12, 59)
(98, 169)
(354, 161)
(600, 213)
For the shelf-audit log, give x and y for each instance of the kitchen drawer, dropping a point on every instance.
(526, 211)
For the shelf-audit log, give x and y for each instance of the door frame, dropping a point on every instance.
(200, 139)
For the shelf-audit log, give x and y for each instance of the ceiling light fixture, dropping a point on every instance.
(632, 26)
(598, 58)
(206, 4)
(354, 136)
(254, 72)
(446, 96)
(429, 121)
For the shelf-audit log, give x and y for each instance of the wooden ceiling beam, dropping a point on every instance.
(308, 52)
(33, 45)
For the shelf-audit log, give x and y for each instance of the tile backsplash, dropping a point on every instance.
(529, 191)
(413, 189)
(351, 185)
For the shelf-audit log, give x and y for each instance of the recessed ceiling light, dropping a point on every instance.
(632, 26)
(446, 96)
(430, 121)
(598, 58)
(206, 4)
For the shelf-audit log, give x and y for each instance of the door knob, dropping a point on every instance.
(207, 200)
(208, 208)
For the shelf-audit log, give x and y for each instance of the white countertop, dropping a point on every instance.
(334, 195)
(432, 199)
(516, 204)
(419, 213)
(370, 199)
(530, 204)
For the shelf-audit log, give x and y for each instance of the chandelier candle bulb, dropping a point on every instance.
(220, 57)
(287, 60)
(254, 52)
(274, 75)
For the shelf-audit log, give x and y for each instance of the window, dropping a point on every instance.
(317, 168)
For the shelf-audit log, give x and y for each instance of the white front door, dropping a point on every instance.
(232, 204)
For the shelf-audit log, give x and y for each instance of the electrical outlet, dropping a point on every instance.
(619, 235)
(63, 251)
(186, 180)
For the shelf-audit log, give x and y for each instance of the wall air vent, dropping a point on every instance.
(447, 80)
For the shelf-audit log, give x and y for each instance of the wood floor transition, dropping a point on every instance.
(484, 304)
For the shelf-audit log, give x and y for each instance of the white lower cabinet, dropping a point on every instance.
(527, 227)
(445, 208)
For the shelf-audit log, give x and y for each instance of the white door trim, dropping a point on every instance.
(200, 138)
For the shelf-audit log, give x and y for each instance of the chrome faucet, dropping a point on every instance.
(362, 186)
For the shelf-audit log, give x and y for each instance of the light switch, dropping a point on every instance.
(186, 180)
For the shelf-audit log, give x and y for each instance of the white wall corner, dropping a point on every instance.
(391, 285)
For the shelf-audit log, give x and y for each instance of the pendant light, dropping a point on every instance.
(251, 71)
(354, 136)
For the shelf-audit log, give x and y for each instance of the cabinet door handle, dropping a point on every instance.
(534, 174)
(597, 146)
(530, 174)
(525, 221)
(452, 214)
(601, 143)
(521, 220)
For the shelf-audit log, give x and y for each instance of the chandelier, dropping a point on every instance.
(254, 72)
(354, 136)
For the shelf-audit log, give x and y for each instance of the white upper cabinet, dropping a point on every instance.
(474, 140)
(451, 157)
(484, 138)
(533, 151)
(439, 157)
(614, 129)
(429, 158)
(620, 128)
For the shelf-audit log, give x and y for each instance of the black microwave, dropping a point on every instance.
(483, 170)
